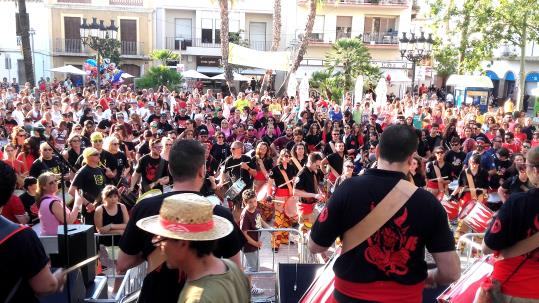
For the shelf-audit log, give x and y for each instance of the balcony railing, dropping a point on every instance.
(381, 38)
(75, 47)
(127, 2)
(174, 43)
(74, 1)
(69, 46)
(368, 2)
(131, 48)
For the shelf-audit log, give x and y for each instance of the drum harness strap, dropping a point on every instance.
(380, 215)
(471, 184)
(439, 178)
(286, 180)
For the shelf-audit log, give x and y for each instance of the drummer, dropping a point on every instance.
(438, 172)
(299, 156)
(237, 167)
(264, 164)
(334, 163)
(307, 188)
(280, 183)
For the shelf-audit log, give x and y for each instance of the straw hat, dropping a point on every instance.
(187, 217)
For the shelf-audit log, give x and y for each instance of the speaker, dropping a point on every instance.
(81, 245)
(294, 279)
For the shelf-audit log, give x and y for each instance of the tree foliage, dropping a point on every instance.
(160, 75)
(469, 28)
(327, 84)
(349, 58)
(164, 55)
(446, 60)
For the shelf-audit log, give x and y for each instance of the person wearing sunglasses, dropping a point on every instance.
(347, 173)
(518, 182)
(47, 162)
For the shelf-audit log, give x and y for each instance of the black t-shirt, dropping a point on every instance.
(148, 168)
(106, 159)
(306, 182)
(277, 176)
(122, 164)
(513, 185)
(144, 149)
(237, 172)
(72, 156)
(21, 256)
(41, 165)
(502, 173)
(91, 180)
(445, 171)
(456, 161)
(432, 142)
(250, 221)
(220, 151)
(480, 179)
(162, 285)
(397, 251)
(336, 161)
(27, 202)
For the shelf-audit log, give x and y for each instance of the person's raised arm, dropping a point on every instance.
(447, 269)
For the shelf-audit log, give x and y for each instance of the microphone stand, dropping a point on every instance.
(63, 164)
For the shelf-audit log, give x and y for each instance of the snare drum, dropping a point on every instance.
(478, 217)
(464, 289)
(451, 207)
(494, 198)
(235, 189)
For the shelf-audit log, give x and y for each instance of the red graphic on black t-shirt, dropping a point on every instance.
(496, 226)
(390, 247)
(323, 215)
(151, 171)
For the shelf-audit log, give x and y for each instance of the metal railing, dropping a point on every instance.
(131, 48)
(127, 2)
(174, 43)
(381, 37)
(369, 2)
(469, 247)
(70, 46)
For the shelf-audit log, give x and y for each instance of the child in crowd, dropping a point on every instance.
(250, 221)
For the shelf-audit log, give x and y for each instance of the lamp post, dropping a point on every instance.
(32, 32)
(99, 37)
(415, 49)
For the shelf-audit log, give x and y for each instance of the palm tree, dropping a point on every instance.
(302, 49)
(327, 84)
(351, 55)
(229, 77)
(276, 41)
(24, 26)
(164, 55)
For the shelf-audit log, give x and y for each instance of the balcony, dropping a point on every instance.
(127, 2)
(384, 38)
(74, 47)
(396, 3)
(132, 48)
(71, 47)
(174, 43)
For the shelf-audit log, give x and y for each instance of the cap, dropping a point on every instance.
(88, 152)
(203, 132)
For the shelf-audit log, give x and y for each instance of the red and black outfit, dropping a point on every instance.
(389, 266)
(517, 219)
(430, 172)
(282, 193)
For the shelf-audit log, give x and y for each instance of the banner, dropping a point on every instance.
(266, 60)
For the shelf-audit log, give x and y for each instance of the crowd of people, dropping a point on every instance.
(256, 160)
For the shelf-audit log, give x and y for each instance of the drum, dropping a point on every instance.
(235, 189)
(494, 198)
(291, 208)
(214, 200)
(464, 289)
(148, 194)
(451, 207)
(478, 217)
(262, 193)
(453, 185)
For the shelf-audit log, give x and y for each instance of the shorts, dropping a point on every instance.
(251, 261)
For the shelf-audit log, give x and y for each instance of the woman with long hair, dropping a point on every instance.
(416, 175)
(51, 214)
(112, 145)
(18, 166)
(347, 172)
(299, 156)
(30, 151)
(18, 135)
(264, 163)
(74, 149)
(314, 137)
(280, 184)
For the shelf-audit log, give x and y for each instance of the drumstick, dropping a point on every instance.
(289, 181)
(233, 166)
(434, 179)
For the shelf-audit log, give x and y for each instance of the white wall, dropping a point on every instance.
(39, 21)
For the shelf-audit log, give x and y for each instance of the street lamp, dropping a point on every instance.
(415, 49)
(97, 36)
(32, 32)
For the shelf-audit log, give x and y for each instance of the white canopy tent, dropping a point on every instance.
(193, 74)
(69, 69)
(237, 77)
(127, 76)
(469, 81)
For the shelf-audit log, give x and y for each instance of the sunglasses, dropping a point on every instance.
(75, 141)
(349, 166)
(47, 149)
(97, 141)
(115, 144)
(21, 135)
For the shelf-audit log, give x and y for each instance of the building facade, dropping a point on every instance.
(11, 59)
(134, 19)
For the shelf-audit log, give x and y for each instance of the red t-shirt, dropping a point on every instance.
(14, 207)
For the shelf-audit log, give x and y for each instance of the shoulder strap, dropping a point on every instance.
(8, 229)
(522, 247)
(262, 167)
(286, 180)
(296, 163)
(471, 184)
(379, 216)
(438, 176)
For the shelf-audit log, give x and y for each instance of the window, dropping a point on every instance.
(344, 27)
(72, 41)
(381, 24)
(207, 31)
(218, 30)
(318, 29)
(184, 33)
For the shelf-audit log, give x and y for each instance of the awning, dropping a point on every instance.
(492, 75)
(469, 81)
(210, 69)
(532, 77)
(69, 69)
(509, 76)
(254, 71)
